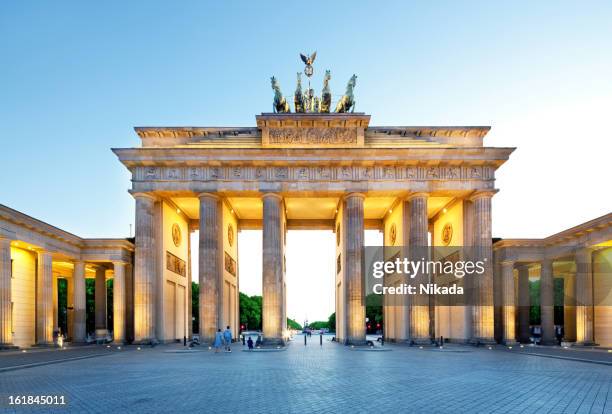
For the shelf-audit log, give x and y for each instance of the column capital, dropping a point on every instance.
(507, 263)
(272, 195)
(546, 260)
(4, 241)
(119, 262)
(351, 195)
(583, 252)
(482, 194)
(522, 267)
(209, 195)
(44, 253)
(420, 194)
(144, 195)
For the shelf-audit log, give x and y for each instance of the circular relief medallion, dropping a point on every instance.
(447, 234)
(230, 235)
(176, 234)
(393, 234)
(338, 235)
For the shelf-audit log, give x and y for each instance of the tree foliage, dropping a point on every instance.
(291, 324)
(250, 311)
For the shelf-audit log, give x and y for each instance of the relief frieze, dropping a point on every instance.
(312, 136)
(318, 173)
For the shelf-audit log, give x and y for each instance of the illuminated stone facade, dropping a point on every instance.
(301, 171)
(420, 186)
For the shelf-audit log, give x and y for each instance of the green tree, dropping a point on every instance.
(374, 312)
(534, 302)
(195, 306)
(331, 322)
(90, 305)
(318, 325)
(291, 324)
(250, 311)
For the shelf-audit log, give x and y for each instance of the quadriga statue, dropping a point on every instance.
(280, 103)
(326, 93)
(298, 98)
(347, 102)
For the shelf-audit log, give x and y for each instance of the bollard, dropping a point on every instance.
(184, 341)
(321, 339)
(304, 340)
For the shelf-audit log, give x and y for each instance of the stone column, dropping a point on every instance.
(55, 305)
(100, 302)
(272, 272)
(144, 270)
(569, 307)
(524, 304)
(79, 302)
(6, 323)
(44, 299)
(418, 249)
(508, 305)
(189, 288)
(482, 310)
(69, 308)
(353, 276)
(210, 270)
(119, 302)
(584, 297)
(547, 314)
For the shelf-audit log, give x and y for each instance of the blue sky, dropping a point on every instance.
(76, 77)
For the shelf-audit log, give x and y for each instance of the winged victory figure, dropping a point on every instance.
(308, 60)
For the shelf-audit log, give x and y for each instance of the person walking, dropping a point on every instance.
(227, 337)
(250, 343)
(218, 340)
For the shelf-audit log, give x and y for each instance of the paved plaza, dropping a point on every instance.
(332, 378)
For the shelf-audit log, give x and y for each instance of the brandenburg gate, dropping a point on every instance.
(303, 171)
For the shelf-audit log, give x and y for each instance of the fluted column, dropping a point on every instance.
(6, 334)
(210, 270)
(44, 299)
(524, 304)
(79, 330)
(418, 249)
(584, 297)
(119, 302)
(482, 310)
(100, 302)
(144, 270)
(272, 272)
(353, 208)
(508, 305)
(547, 315)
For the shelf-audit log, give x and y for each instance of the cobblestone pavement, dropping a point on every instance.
(331, 379)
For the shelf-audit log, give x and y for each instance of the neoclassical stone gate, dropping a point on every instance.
(301, 171)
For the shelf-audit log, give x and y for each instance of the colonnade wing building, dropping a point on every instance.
(420, 186)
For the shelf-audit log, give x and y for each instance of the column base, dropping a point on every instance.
(510, 342)
(272, 342)
(8, 346)
(549, 341)
(101, 333)
(418, 341)
(146, 341)
(584, 344)
(482, 341)
(45, 345)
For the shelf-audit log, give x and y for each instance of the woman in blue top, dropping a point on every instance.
(218, 340)
(227, 338)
